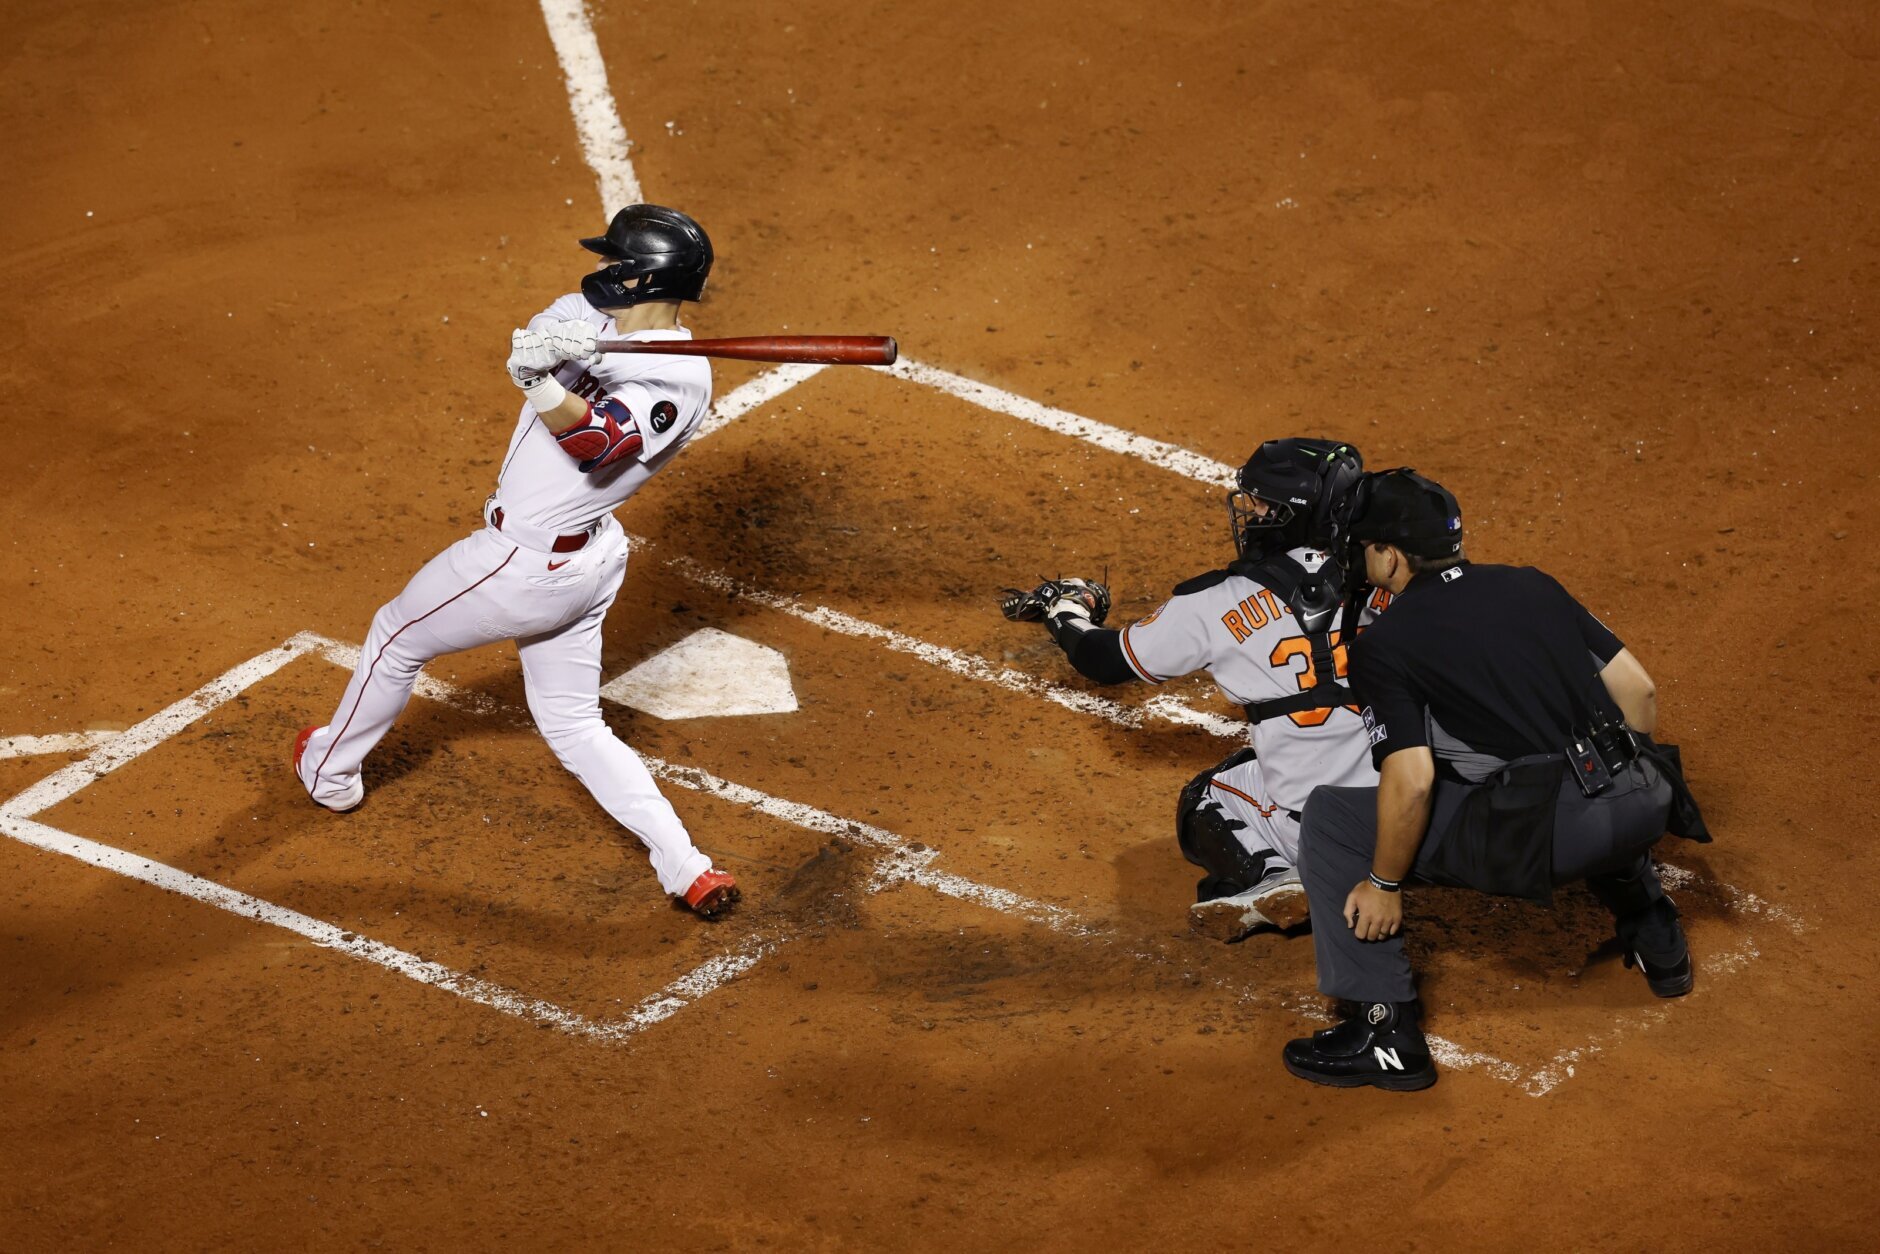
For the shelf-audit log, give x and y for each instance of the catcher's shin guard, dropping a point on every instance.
(1206, 835)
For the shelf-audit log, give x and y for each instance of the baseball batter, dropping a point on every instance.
(550, 559)
(1263, 629)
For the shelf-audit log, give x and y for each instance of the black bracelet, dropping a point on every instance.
(1389, 886)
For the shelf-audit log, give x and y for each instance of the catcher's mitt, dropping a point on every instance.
(1085, 598)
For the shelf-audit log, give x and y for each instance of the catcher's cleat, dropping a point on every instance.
(1276, 902)
(1381, 1046)
(353, 796)
(712, 894)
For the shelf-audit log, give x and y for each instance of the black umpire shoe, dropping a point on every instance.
(1654, 943)
(1381, 1045)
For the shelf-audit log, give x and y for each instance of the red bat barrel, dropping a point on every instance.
(823, 350)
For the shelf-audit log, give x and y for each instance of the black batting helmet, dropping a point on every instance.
(1304, 484)
(656, 254)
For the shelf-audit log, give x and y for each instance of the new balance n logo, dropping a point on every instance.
(1386, 1058)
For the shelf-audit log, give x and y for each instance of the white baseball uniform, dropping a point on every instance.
(1243, 635)
(543, 573)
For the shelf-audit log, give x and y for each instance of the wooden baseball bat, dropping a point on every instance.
(827, 350)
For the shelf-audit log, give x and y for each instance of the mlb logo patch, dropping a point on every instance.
(1373, 729)
(1452, 574)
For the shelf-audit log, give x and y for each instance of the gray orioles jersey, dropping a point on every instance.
(1244, 636)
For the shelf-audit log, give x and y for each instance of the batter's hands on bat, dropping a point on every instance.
(532, 362)
(1082, 598)
(531, 358)
(574, 341)
(1373, 914)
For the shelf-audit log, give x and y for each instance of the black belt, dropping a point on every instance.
(563, 544)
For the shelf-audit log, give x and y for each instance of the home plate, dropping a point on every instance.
(709, 674)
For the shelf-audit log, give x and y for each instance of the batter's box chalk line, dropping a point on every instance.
(899, 862)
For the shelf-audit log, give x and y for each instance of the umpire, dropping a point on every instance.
(1511, 731)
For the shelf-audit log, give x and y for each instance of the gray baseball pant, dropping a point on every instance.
(1603, 840)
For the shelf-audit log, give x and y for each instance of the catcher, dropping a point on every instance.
(1265, 629)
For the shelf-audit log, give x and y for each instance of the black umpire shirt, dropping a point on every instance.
(1482, 664)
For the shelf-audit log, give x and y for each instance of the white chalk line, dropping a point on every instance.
(64, 742)
(596, 121)
(1172, 457)
(1103, 435)
(750, 395)
(605, 145)
(662, 1005)
(1565, 1065)
(903, 862)
(1447, 1053)
(1710, 966)
(127, 745)
(907, 863)
(966, 665)
(1740, 899)
(910, 861)
(1450, 1054)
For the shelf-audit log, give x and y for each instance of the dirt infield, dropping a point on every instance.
(1610, 276)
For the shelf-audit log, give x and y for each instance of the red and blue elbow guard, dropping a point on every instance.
(608, 434)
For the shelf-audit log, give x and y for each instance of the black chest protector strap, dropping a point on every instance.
(1314, 599)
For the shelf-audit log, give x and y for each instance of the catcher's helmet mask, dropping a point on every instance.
(1303, 485)
(652, 253)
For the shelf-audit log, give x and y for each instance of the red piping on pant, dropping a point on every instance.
(381, 653)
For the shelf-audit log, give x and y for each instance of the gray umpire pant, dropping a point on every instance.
(1604, 840)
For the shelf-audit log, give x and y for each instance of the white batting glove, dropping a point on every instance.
(531, 365)
(530, 356)
(574, 340)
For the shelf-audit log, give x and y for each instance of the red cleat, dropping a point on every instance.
(712, 894)
(300, 745)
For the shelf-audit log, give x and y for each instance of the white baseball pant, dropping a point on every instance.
(487, 587)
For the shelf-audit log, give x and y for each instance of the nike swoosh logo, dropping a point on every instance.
(559, 565)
